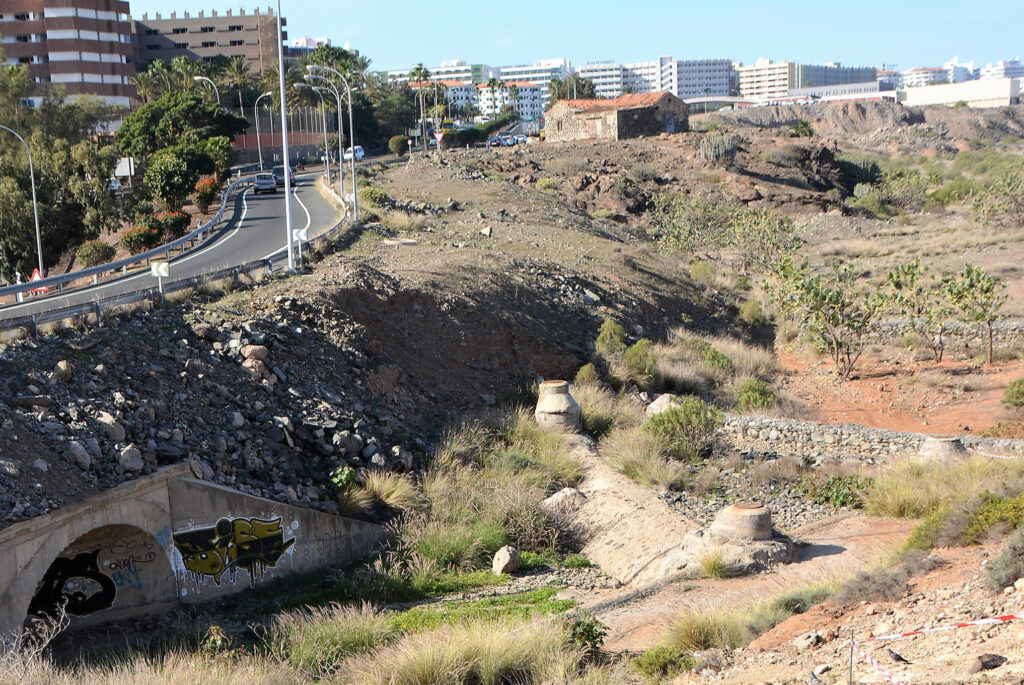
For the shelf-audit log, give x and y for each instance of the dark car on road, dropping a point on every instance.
(278, 173)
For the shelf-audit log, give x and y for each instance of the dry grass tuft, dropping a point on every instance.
(391, 490)
(603, 410)
(642, 456)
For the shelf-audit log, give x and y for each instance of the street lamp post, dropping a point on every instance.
(316, 70)
(256, 114)
(323, 110)
(213, 85)
(333, 90)
(284, 143)
(35, 205)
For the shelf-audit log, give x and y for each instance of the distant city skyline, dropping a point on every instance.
(404, 32)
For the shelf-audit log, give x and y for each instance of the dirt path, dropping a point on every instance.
(834, 548)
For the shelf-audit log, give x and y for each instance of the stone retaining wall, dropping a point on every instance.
(824, 442)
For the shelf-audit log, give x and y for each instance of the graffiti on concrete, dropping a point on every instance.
(77, 583)
(250, 544)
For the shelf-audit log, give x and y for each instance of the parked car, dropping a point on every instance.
(359, 153)
(278, 173)
(493, 141)
(508, 140)
(264, 183)
(114, 185)
(521, 138)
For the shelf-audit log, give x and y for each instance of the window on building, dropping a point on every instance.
(181, 46)
(151, 32)
(22, 39)
(234, 28)
(236, 43)
(209, 43)
(152, 46)
(25, 60)
(206, 29)
(21, 17)
(179, 30)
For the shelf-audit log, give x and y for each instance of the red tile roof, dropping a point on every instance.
(622, 102)
(506, 84)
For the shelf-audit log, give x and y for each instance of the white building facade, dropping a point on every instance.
(683, 78)
(530, 99)
(1010, 68)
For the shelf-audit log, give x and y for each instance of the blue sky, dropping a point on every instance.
(398, 33)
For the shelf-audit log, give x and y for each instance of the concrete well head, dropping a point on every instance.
(556, 408)
(746, 521)
(943, 450)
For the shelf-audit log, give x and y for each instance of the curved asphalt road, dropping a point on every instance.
(256, 230)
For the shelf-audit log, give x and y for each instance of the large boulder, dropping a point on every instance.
(111, 426)
(130, 459)
(662, 403)
(506, 560)
(564, 502)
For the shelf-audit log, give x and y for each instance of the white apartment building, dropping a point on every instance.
(958, 72)
(918, 77)
(974, 93)
(1010, 68)
(450, 70)
(529, 102)
(683, 78)
(539, 73)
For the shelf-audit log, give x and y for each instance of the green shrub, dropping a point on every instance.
(170, 225)
(639, 362)
(786, 157)
(957, 190)
(858, 168)
(872, 204)
(664, 662)
(703, 273)
(925, 533)
(205, 192)
(94, 253)
(755, 394)
(752, 314)
(710, 355)
(576, 561)
(139, 239)
(1008, 511)
(718, 148)
(836, 491)
(602, 213)
(611, 338)
(374, 197)
(645, 173)
(1009, 565)
(1014, 397)
(587, 375)
(688, 429)
(586, 633)
(399, 144)
(546, 183)
(802, 129)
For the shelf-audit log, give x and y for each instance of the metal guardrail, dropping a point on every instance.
(96, 307)
(196, 236)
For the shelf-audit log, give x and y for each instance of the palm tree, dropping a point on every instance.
(237, 76)
(422, 74)
(513, 95)
(360, 69)
(494, 85)
(144, 84)
(183, 70)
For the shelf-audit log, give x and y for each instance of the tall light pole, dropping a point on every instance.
(317, 70)
(35, 205)
(213, 85)
(332, 89)
(284, 143)
(256, 114)
(323, 110)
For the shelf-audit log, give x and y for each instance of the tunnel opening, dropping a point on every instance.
(102, 575)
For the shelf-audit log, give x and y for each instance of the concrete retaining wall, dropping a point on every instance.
(168, 538)
(840, 442)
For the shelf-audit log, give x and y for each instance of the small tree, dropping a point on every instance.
(170, 179)
(611, 338)
(802, 129)
(925, 306)
(140, 239)
(978, 296)
(835, 315)
(205, 193)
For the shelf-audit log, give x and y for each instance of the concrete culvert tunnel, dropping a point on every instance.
(111, 569)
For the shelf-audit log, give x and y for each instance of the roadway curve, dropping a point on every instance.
(254, 231)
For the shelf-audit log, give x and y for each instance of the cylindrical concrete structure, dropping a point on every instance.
(743, 521)
(942, 450)
(556, 408)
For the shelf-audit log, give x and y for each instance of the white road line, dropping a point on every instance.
(95, 289)
(309, 221)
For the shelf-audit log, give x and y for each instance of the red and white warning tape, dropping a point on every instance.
(952, 626)
(879, 667)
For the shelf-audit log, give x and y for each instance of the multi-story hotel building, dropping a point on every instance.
(204, 36)
(683, 78)
(84, 45)
(766, 79)
(452, 70)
